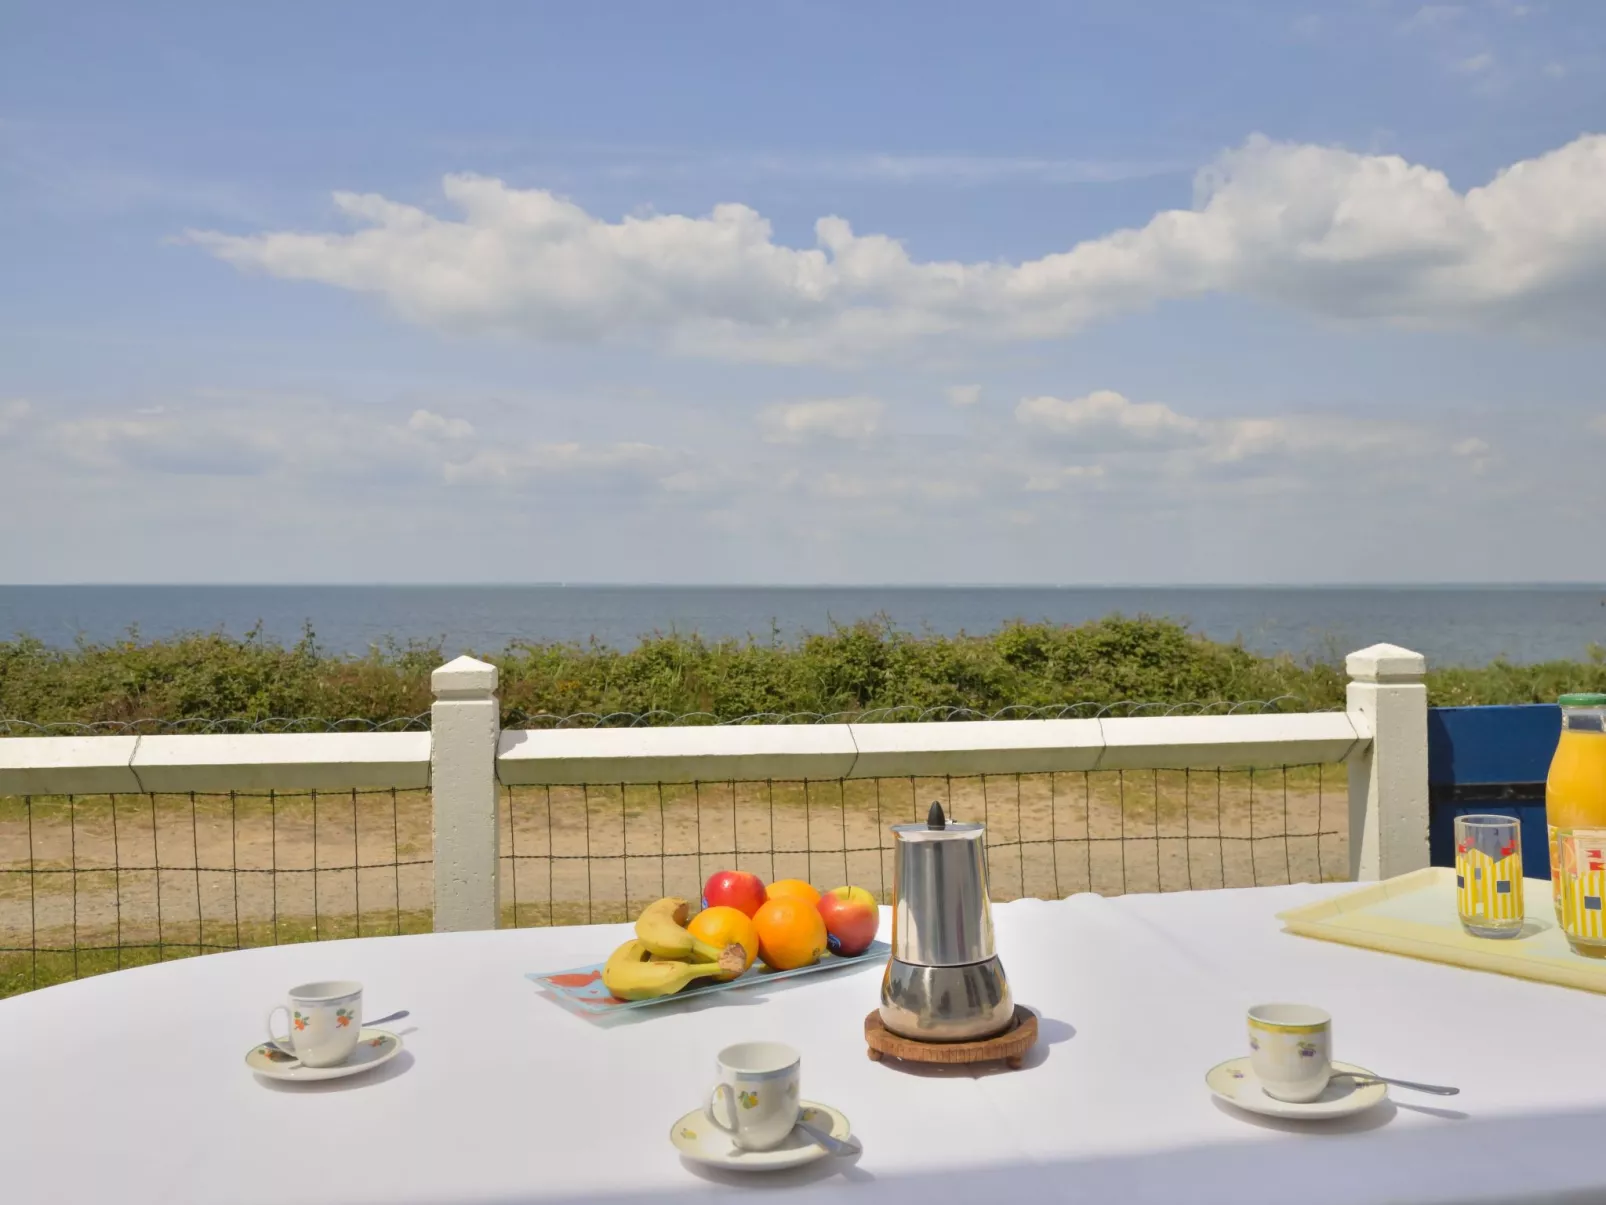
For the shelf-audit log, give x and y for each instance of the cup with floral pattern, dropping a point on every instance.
(324, 1020)
(755, 1098)
(1290, 1050)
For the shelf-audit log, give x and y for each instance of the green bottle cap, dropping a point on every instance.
(1582, 700)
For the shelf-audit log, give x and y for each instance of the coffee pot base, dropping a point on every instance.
(946, 1003)
(1010, 1047)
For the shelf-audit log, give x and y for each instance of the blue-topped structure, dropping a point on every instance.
(1491, 760)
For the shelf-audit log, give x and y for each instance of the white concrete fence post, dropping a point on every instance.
(1388, 778)
(465, 723)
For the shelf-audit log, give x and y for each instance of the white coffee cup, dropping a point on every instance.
(1291, 1050)
(325, 1019)
(755, 1100)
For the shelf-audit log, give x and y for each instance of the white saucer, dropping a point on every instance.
(375, 1047)
(1234, 1082)
(699, 1139)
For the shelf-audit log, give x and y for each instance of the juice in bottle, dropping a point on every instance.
(1575, 791)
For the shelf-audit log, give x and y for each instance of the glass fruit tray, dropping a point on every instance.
(582, 987)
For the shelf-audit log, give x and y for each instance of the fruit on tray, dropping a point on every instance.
(631, 972)
(661, 927)
(722, 926)
(792, 889)
(851, 917)
(734, 889)
(791, 933)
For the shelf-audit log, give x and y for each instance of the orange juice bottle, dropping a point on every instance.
(1575, 791)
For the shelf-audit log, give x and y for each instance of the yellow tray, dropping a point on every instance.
(1414, 915)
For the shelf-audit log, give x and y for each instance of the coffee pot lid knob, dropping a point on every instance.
(935, 818)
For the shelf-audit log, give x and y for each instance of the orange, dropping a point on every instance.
(791, 889)
(791, 933)
(721, 926)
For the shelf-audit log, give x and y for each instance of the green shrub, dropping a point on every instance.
(851, 668)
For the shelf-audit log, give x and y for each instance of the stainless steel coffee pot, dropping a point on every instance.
(943, 982)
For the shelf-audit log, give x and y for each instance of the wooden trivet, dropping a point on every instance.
(1011, 1045)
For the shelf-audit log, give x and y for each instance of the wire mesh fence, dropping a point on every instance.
(209, 726)
(906, 714)
(95, 883)
(593, 853)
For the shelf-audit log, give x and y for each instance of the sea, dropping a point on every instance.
(1450, 625)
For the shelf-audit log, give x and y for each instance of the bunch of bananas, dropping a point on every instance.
(663, 957)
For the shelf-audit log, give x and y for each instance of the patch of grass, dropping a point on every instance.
(24, 970)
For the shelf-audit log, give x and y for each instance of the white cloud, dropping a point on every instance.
(1239, 439)
(852, 418)
(1476, 452)
(1105, 435)
(425, 422)
(1475, 64)
(1433, 16)
(1324, 230)
(888, 481)
(829, 457)
(964, 395)
(690, 481)
(154, 442)
(13, 414)
(273, 437)
(1107, 420)
(1050, 480)
(1117, 488)
(636, 460)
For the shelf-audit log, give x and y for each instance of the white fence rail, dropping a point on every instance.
(1382, 735)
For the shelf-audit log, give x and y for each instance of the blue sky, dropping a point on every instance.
(1106, 292)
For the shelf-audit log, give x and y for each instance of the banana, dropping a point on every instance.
(631, 974)
(661, 927)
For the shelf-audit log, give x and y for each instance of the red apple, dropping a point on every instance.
(851, 919)
(734, 889)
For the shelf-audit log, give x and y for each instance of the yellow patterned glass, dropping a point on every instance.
(1583, 890)
(1488, 875)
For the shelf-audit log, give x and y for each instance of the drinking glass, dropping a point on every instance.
(1488, 875)
(1583, 890)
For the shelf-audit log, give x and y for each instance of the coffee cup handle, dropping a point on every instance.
(287, 1044)
(727, 1093)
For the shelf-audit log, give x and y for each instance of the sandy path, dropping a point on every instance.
(230, 865)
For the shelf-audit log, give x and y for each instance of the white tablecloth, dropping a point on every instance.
(131, 1087)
